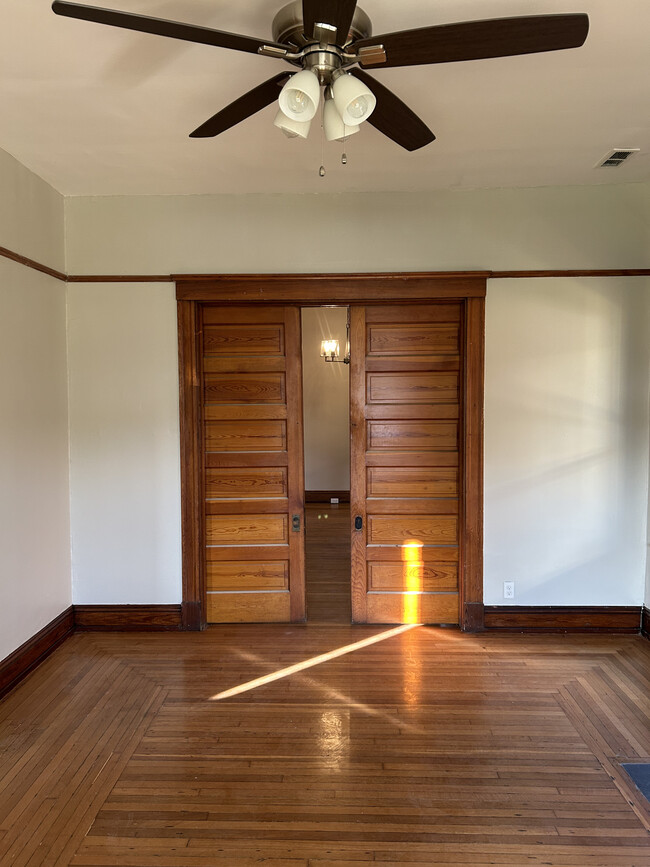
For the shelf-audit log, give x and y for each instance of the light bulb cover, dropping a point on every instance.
(335, 129)
(291, 128)
(329, 348)
(353, 100)
(300, 96)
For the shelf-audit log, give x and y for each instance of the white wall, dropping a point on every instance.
(34, 490)
(326, 397)
(570, 227)
(124, 444)
(566, 428)
(31, 215)
(566, 387)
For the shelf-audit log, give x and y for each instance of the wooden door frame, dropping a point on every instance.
(317, 290)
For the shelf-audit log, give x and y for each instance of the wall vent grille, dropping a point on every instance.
(616, 157)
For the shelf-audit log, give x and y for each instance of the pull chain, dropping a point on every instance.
(321, 170)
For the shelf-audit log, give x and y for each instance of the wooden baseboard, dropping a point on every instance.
(127, 618)
(558, 618)
(645, 621)
(326, 496)
(30, 654)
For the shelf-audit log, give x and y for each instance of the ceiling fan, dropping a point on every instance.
(325, 38)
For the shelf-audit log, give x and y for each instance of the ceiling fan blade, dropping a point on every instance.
(395, 119)
(162, 27)
(474, 40)
(248, 104)
(337, 13)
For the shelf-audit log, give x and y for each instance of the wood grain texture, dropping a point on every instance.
(263, 607)
(253, 467)
(425, 747)
(246, 575)
(557, 618)
(412, 482)
(191, 440)
(401, 529)
(246, 482)
(246, 529)
(471, 446)
(415, 364)
(322, 289)
(17, 665)
(420, 608)
(128, 618)
(295, 449)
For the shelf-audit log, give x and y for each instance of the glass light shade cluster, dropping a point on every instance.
(348, 103)
(329, 349)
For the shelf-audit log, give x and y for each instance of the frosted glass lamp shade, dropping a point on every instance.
(291, 128)
(329, 349)
(354, 101)
(300, 96)
(335, 129)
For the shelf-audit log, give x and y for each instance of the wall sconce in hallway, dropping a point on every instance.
(330, 349)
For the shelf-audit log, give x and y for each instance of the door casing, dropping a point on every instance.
(317, 290)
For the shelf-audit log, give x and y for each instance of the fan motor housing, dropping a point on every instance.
(288, 26)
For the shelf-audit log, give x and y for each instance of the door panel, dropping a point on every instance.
(405, 410)
(253, 467)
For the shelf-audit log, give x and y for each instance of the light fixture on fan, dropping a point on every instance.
(348, 103)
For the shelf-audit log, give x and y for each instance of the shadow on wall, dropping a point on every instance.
(566, 441)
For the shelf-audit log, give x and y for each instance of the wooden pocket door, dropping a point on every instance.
(405, 415)
(253, 464)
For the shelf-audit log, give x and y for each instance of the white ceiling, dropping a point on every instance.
(97, 110)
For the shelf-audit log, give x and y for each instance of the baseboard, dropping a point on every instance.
(327, 496)
(559, 618)
(127, 618)
(645, 621)
(30, 654)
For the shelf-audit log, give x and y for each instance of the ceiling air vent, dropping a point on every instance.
(617, 157)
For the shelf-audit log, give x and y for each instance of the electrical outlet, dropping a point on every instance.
(334, 500)
(508, 589)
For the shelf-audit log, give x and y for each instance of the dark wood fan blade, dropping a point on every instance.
(162, 27)
(395, 119)
(248, 104)
(337, 13)
(474, 40)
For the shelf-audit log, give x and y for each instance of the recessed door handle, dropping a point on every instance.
(358, 523)
(295, 523)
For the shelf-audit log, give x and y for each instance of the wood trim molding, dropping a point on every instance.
(603, 272)
(120, 278)
(193, 612)
(31, 263)
(302, 282)
(318, 289)
(127, 618)
(645, 621)
(471, 516)
(24, 659)
(559, 618)
(326, 496)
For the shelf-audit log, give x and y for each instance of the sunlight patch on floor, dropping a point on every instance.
(310, 663)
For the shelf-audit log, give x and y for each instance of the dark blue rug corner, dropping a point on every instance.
(639, 772)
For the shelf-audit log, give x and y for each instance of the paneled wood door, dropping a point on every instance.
(405, 382)
(253, 467)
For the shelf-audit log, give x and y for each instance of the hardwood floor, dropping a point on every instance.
(327, 562)
(327, 745)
